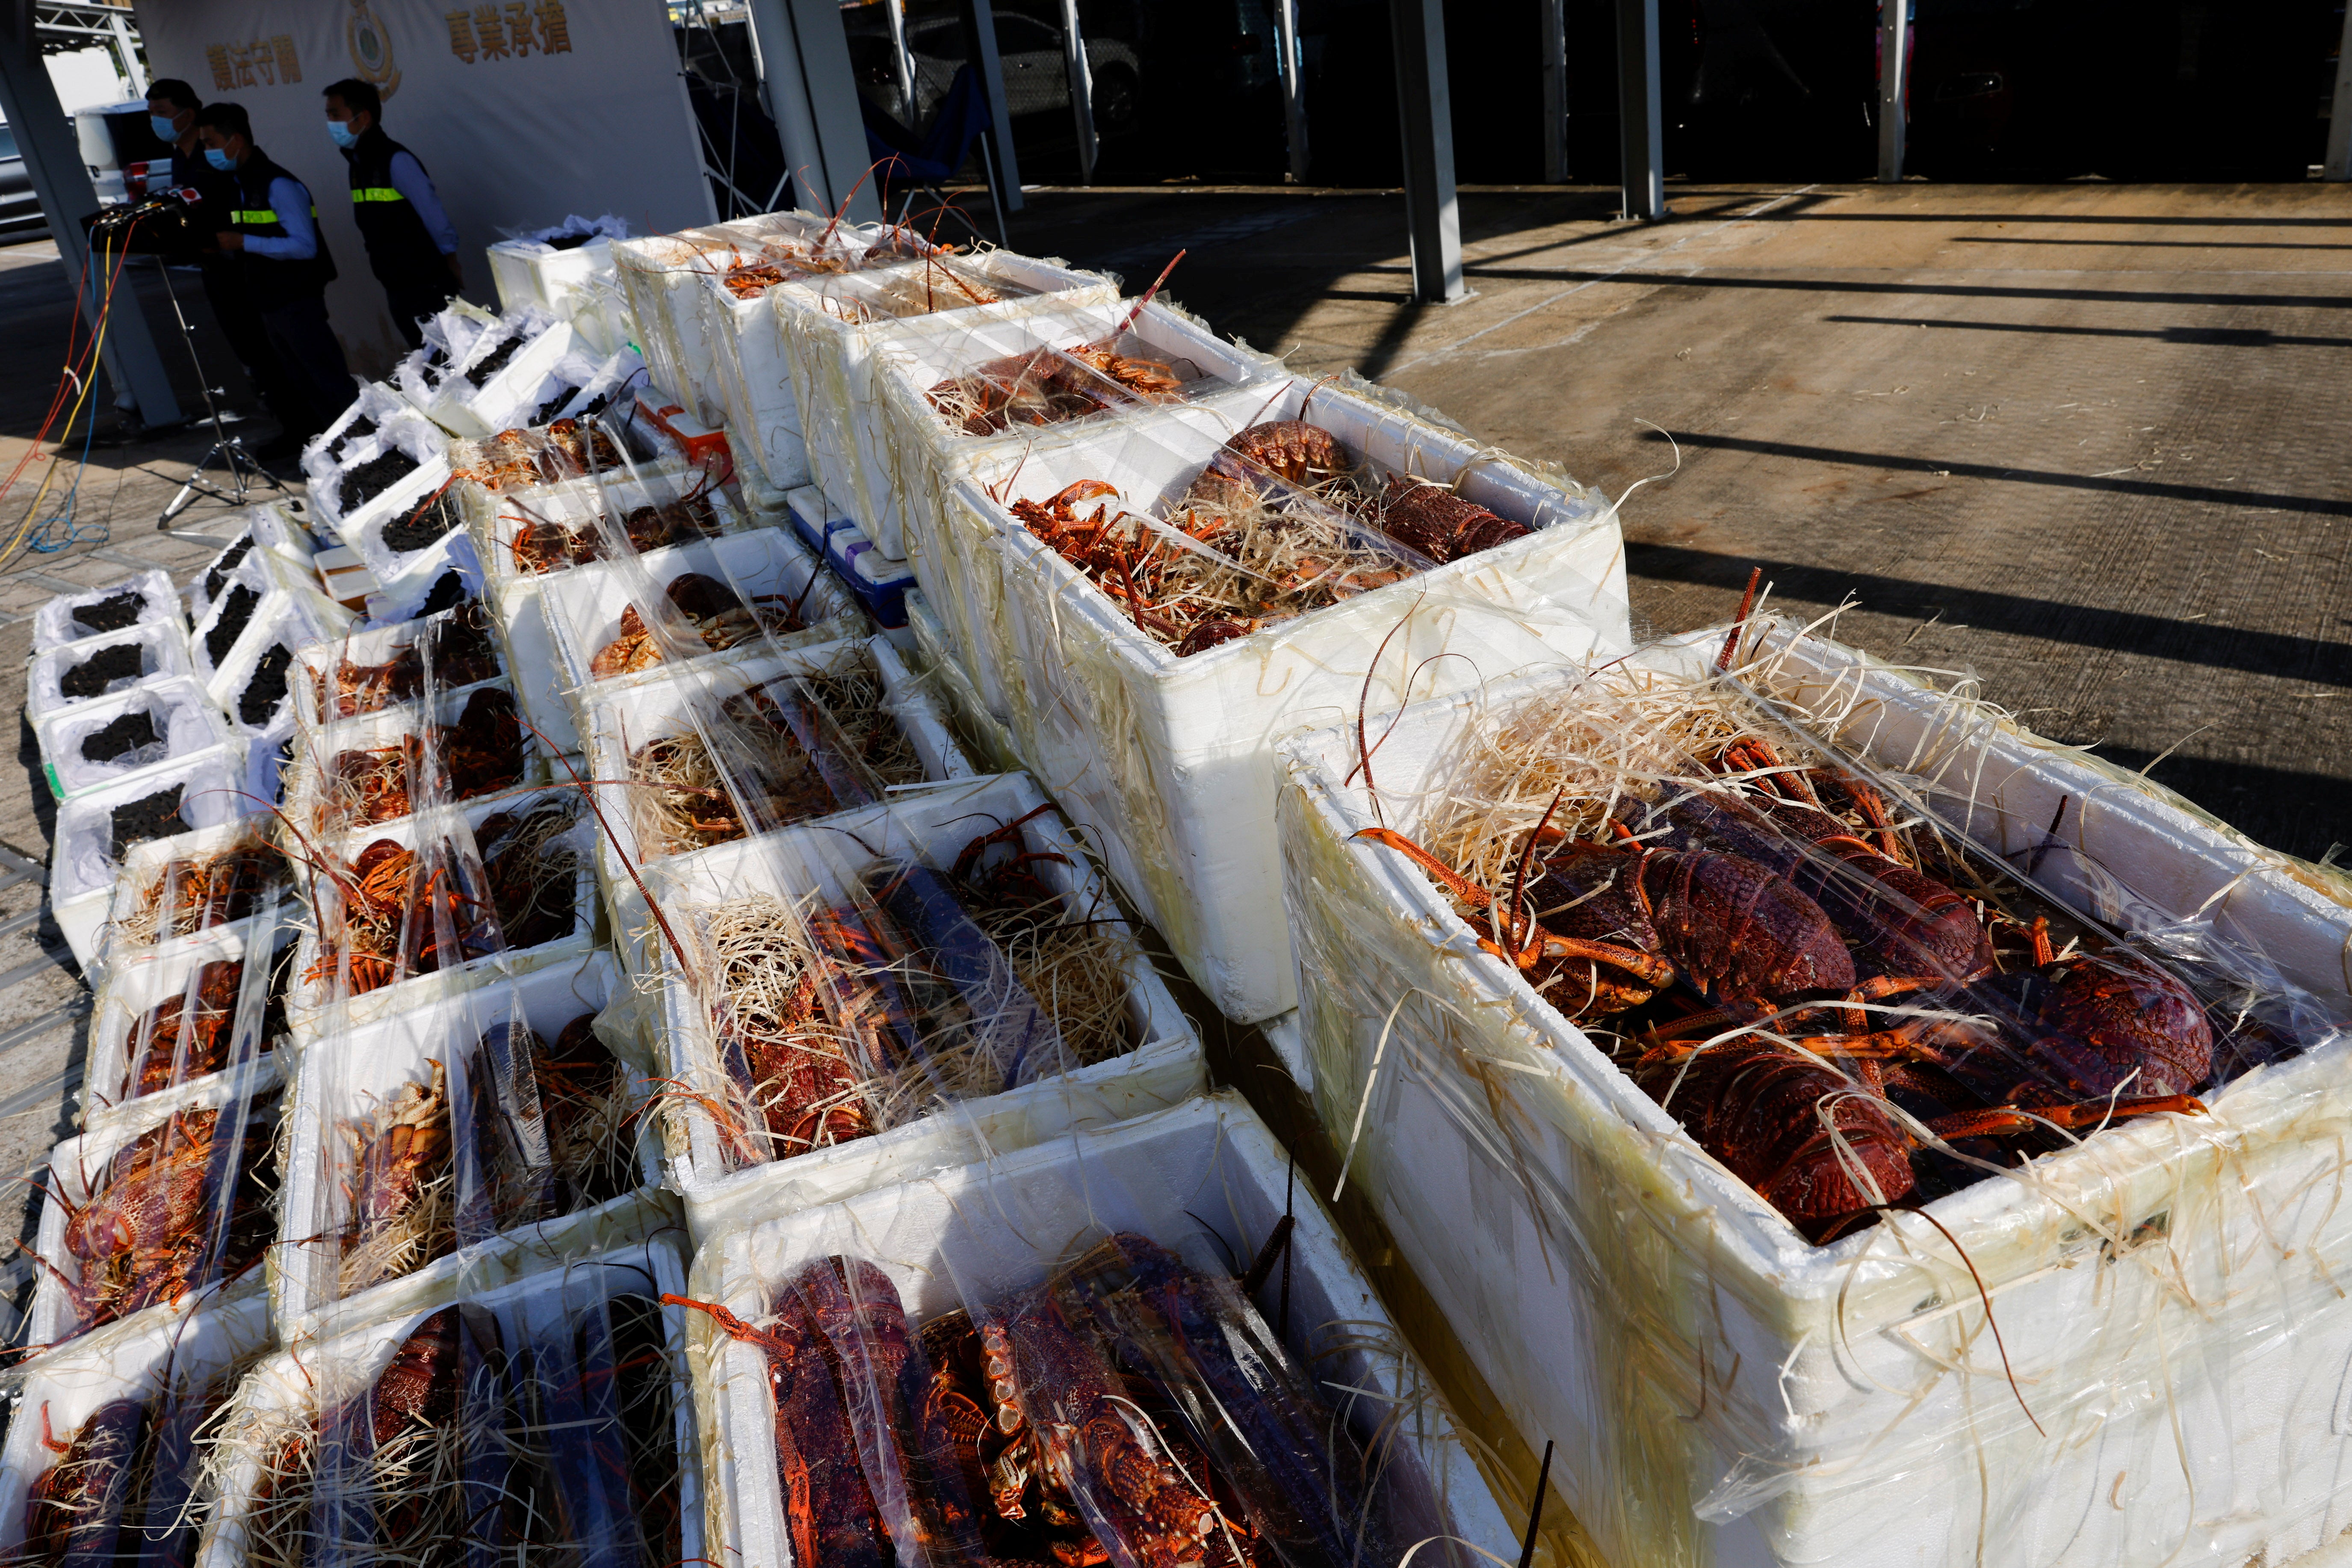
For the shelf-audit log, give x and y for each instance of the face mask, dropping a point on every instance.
(220, 158)
(163, 126)
(340, 130)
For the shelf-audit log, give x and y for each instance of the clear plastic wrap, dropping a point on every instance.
(99, 612)
(1168, 761)
(499, 1108)
(102, 1464)
(383, 666)
(530, 534)
(100, 667)
(537, 1410)
(165, 1202)
(1078, 1304)
(174, 1016)
(97, 828)
(193, 883)
(368, 477)
(97, 742)
(360, 433)
(1879, 1232)
(465, 742)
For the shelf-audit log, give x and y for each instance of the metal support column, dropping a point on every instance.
(2339, 115)
(1894, 69)
(904, 62)
(61, 184)
(805, 78)
(1555, 92)
(1431, 214)
(1641, 119)
(126, 48)
(1294, 87)
(1082, 89)
(996, 149)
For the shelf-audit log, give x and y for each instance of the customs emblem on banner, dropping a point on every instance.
(370, 49)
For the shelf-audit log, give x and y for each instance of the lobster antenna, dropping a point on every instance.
(1520, 885)
(1145, 297)
(1535, 1509)
(1983, 1295)
(1739, 623)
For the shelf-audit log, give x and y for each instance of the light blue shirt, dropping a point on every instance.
(291, 203)
(409, 177)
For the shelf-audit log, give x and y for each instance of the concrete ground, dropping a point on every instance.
(2086, 441)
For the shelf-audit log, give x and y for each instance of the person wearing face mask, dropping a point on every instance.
(411, 244)
(274, 230)
(171, 107)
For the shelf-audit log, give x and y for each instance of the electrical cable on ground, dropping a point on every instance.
(78, 376)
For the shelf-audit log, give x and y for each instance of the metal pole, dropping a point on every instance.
(1082, 89)
(127, 47)
(1555, 92)
(805, 78)
(1431, 215)
(1294, 88)
(1640, 115)
(1894, 40)
(980, 49)
(904, 61)
(61, 184)
(2340, 117)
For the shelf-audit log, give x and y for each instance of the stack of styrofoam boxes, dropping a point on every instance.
(1207, 1182)
(285, 608)
(1169, 762)
(506, 393)
(2163, 1378)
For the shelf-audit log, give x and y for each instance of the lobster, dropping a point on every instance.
(717, 614)
(187, 895)
(541, 546)
(74, 1510)
(482, 751)
(1432, 519)
(793, 1059)
(387, 927)
(174, 1045)
(402, 1159)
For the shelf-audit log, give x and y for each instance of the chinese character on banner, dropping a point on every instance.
(486, 29)
(217, 56)
(264, 61)
(554, 30)
(240, 59)
(519, 25)
(290, 68)
(461, 35)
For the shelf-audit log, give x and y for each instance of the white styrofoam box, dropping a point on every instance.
(54, 626)
(82, 867)
(335, 449)
(529, 1288)
(290, 618)
(412, 433)
(1169, 762)
(838, 330)
(275, 539)
(136, 983)
(1725, 1392)
(440, 577)
(498, 520)
(307, 792)
(538, 672)
(345, 1083)
(249, 589)
(509, 394)
(364, 530)
(1205, 1180)
(618, 722)
(664, 278)
(1165, 1066)
(163, 651)
(908, 455)
(77, 1172)
(183, 722)
(174, 1367)
(767, 567)
(934, 660)
(146, 866)
(367, 648)
(316, 1009)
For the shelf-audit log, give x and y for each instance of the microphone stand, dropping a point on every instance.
(227, 449)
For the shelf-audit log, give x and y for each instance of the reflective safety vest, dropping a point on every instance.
(400, 248)
(275, 281)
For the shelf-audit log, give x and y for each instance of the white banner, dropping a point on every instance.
(522, 111)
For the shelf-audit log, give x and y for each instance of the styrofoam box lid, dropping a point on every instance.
(1205, 1180)
(354, 1357)
(54, 626)
(137, 982)
(767, 567)
(823, 858)
(76, 1162)
(185, 722)
(349, 1078)
(313, 1011)
(165, 651)
(144, 1360)
(212, 790)
(621, 721)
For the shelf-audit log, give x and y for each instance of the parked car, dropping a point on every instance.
(1029, 51)
(20, 210)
